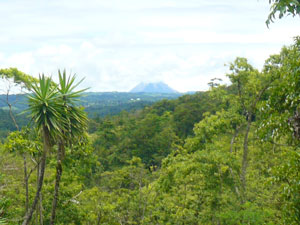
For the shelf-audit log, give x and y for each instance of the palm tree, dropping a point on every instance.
(46, 110)
(75, 126)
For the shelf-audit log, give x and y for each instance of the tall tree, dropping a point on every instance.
(281, 126)
(251, 86)
(76, 125)
(46, 111)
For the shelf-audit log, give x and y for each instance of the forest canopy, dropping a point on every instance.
(229, 155)
(226, 156)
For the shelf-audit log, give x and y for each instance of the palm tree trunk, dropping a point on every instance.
(47, 146)
(60, 153)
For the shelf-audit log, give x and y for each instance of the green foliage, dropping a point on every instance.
(45, 107)
(23, 141)
(73, 118)
(195, 187)
(199, 180)
(119, 197)
(288, 175)
(281, 106)
(282, 8)
(280, 126)
(18, 77)
(189, 110)
(12, 198)
(210, 128)
(148, 136)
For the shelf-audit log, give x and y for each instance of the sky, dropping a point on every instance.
(117, 44)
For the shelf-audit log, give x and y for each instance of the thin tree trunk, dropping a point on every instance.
(37, 206)
(41, 209)
(60, 153)
(39, 188)
(99, 218)
(10, 111)
(245, 147)
(236, 132)
(26, 182)
(46, 137)
(245, 156)
(24, 156)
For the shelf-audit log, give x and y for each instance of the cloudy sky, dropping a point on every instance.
(115, 44)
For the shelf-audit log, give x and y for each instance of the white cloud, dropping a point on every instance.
(24, 61)
(117, 44)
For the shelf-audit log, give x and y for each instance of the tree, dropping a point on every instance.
(15, 78)
(281, 127)
(46, 112)
(283, 7)
(18, 77)
(251, 86)
(21, 143)
(75, 125)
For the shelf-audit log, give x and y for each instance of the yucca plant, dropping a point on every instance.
(74, 126)
(45, 109)
(59, 120)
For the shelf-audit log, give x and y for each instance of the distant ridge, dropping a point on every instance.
(158, 87)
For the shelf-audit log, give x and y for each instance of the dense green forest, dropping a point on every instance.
(226, 156)
(96, 104)
(230, 155)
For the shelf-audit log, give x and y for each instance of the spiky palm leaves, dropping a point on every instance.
(75, 117)
(75, 125)
(55, 113)
(45, 107)
(54, 107)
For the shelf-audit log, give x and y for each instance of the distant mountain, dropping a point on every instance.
(159, 87)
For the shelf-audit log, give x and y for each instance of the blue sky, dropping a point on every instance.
(118, 43)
